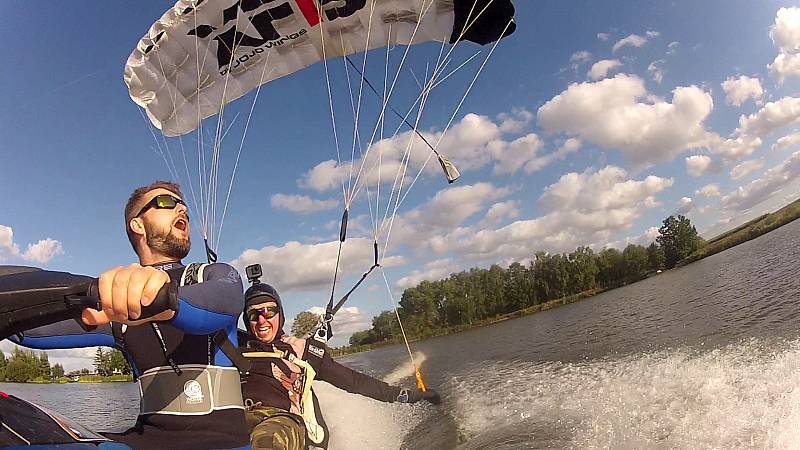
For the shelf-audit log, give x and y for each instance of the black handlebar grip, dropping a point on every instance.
(166, 299)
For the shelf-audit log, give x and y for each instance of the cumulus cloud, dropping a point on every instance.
(580, 209)
(472, 143)
(302, 204)
(41, 252)
(685, 205)
(498, 212)
(786, 141)
(516, 121)
(601, 68)
(633, 40)
(656, 70)
(347, 321)
(698, 165)
(449, 208)
(739, 90)
(617, 113)
(434, 270)
(709, 191)
(603, 36)
(745, 168)
(296, 266)
(512, 156)
(747, 136)
(653, 34)
(761, 189)
(785, 34)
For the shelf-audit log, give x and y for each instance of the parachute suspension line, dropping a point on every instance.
(330, 104)
(391, 90)
(417, 374)
(360, 93)
(241, 145)
(461, 103)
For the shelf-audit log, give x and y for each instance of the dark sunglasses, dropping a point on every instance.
(163, 201)
(267, 312)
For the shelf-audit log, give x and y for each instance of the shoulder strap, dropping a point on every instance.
(234, 354)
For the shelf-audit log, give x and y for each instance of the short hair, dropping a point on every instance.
(131, 207)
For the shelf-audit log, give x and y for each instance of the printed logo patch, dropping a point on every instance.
(193, 392)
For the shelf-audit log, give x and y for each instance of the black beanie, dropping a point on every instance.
(260, 293)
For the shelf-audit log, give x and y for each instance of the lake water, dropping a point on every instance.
(706, 356)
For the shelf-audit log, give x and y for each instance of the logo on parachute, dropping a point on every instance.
(256, 28)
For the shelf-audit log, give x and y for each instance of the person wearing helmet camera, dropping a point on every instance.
(282, 410)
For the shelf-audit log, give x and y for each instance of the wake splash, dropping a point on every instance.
(741, 396)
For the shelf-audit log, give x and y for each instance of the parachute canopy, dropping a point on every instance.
(203, 54)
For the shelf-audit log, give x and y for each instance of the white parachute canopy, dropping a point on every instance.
(203, 54)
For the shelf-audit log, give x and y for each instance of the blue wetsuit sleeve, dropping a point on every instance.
(212, 305)
(65, 334)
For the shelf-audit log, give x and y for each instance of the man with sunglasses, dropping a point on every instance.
(282, 410)
(190, 391)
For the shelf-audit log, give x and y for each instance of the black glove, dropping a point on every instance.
(414, 395)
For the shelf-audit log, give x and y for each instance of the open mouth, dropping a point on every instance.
(181, 224)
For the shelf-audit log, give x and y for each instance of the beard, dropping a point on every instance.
(167, 244)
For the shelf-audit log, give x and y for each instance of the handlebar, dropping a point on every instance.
(32, 298)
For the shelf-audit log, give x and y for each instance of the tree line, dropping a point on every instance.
(481, 294)
(24, 366)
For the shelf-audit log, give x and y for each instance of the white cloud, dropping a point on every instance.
(516, 121)
(770, 117)
(603, 36)
(302, 204)
(609, 113)
(761, 189)
(449, 208)
(785, 34)
(470, 144)
(745, 168)
(685, 204)
(739, 90)
(434, 270)
(512, 156)
(653, 34)
(656, 70)
(347, 320)
(709, 190)
(634, 40)
(786, 141)
(41, 252)
(580, 209)
(785, 65)
(735, 149)
(698, 165)
(296, 266)
(601, 68)
(673, 47)
(580, 57)
(500, 211)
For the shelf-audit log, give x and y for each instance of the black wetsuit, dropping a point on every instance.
(262, 386)
(204, 309)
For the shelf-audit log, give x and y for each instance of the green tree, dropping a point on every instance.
(678, 238)
(58, 371)
(117, 363)
(3, 364)
(102, 362)
(655, 257)
(44, 366)
(636, 262)
(360, 338)
(305, 323)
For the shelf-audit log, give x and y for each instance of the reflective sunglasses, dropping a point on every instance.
(163, 201)
(267, 312)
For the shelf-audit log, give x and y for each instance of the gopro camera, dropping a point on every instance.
(253, 272)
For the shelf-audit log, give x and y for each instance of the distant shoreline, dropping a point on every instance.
(81, 379)
(729, 239)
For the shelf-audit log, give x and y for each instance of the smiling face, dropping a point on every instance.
(165, 231)
(265, 329)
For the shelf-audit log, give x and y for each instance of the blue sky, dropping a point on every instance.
(588, 126)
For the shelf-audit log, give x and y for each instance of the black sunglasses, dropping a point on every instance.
(267, 312)
(163, 201)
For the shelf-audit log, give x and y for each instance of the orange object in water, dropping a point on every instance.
(420, 383)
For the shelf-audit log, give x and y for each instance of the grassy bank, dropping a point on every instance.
(747, 231)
